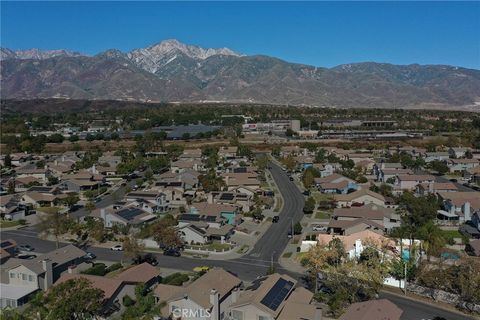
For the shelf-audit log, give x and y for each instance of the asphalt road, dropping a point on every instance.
(252, 265)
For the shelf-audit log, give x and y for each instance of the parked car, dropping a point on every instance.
(171, 252)
(319, 228)
(97, 199)
(26, 256)
(26, 247)
(306, 193)
(291, 178)
(149, 258)
(453, 180)
(89, 256)
(289, 234)
(275, 219)
(117, 247)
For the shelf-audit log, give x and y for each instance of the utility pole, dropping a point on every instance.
(405, 284)
(292, 229)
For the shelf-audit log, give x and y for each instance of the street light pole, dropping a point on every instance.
(405, 282)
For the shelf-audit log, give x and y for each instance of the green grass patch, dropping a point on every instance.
(451, 234)
(322, 215)
(318, 196)
(269, 219)
(49, 210)
(212, 246)
(287, 254)
(176, 279)
(8, 224)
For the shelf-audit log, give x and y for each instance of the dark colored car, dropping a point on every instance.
(291, 178)
(171, 252)
(275, 219)
(306, 193)
(149, 258)
(26, 256)
(89, 256)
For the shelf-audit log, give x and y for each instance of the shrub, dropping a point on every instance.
(114, 267)
(22, 222)
(176, 279)
(98, 269)
(127, 301)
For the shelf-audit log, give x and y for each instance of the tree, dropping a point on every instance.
(165, 234)
(440, 166)
(320, 157)
(11, 186)
(309, 205)
(433, 240)
(7, 161)
(297, 228)
(289, 132)
(262, 162)
(289, 162)
(132, 247)
(55, 223)
(72, 299)
(90, 206)
(308, 177)
(71, 199)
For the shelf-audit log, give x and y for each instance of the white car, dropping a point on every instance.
(319, 228)
(117, 247)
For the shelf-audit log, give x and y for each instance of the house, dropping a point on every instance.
(463, 204)
(335, 183)
(243, 201)
(157, 199)
(460, 165)
(117, 287)
(385, 175)
(410, 181)
(432, 188)
(363, 196)
(191, 154)
(32, 171)
(24, 183)
(43, 271)
(188, 179)
(229, 152)
(325, 169)
(436, 156)
(346, 221)
(126, 216)
(11, 208)
(228, 212)
(244, 179)
(43, 196)
(274, 297)
(457, 152)
(208, 297)
(182, 165)
(74, 185)
(354, 243)
(200, 232)
(304, 162)
(7, 249)
(381, 309)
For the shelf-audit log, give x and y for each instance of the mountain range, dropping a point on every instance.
(171, 71)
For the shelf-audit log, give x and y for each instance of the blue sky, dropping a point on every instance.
(316, 33)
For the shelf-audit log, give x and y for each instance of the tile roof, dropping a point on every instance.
(141, 273)
(381, 309)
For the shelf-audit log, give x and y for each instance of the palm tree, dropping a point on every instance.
(433, 240)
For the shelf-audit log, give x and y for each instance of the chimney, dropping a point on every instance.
(318, 313)
(210, 198)
(56, 162)
(94, 169)
(235, 295)
(466, 211)
(214, 301)
(72, 269)
(48, 279)
(430, 187)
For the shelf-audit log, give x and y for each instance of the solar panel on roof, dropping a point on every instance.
(240, 170)
(5, 243)
(277, 294)
(129, 213)
(227, 196)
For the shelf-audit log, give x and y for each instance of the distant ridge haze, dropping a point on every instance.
(173, 71)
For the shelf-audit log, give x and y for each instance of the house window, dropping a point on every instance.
(237, 315)
(263, 318)
(12, 274)
(24, 277)
(30, 278)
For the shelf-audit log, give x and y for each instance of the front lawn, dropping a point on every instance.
(48, 209)
(322, 215)
(8, 224)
